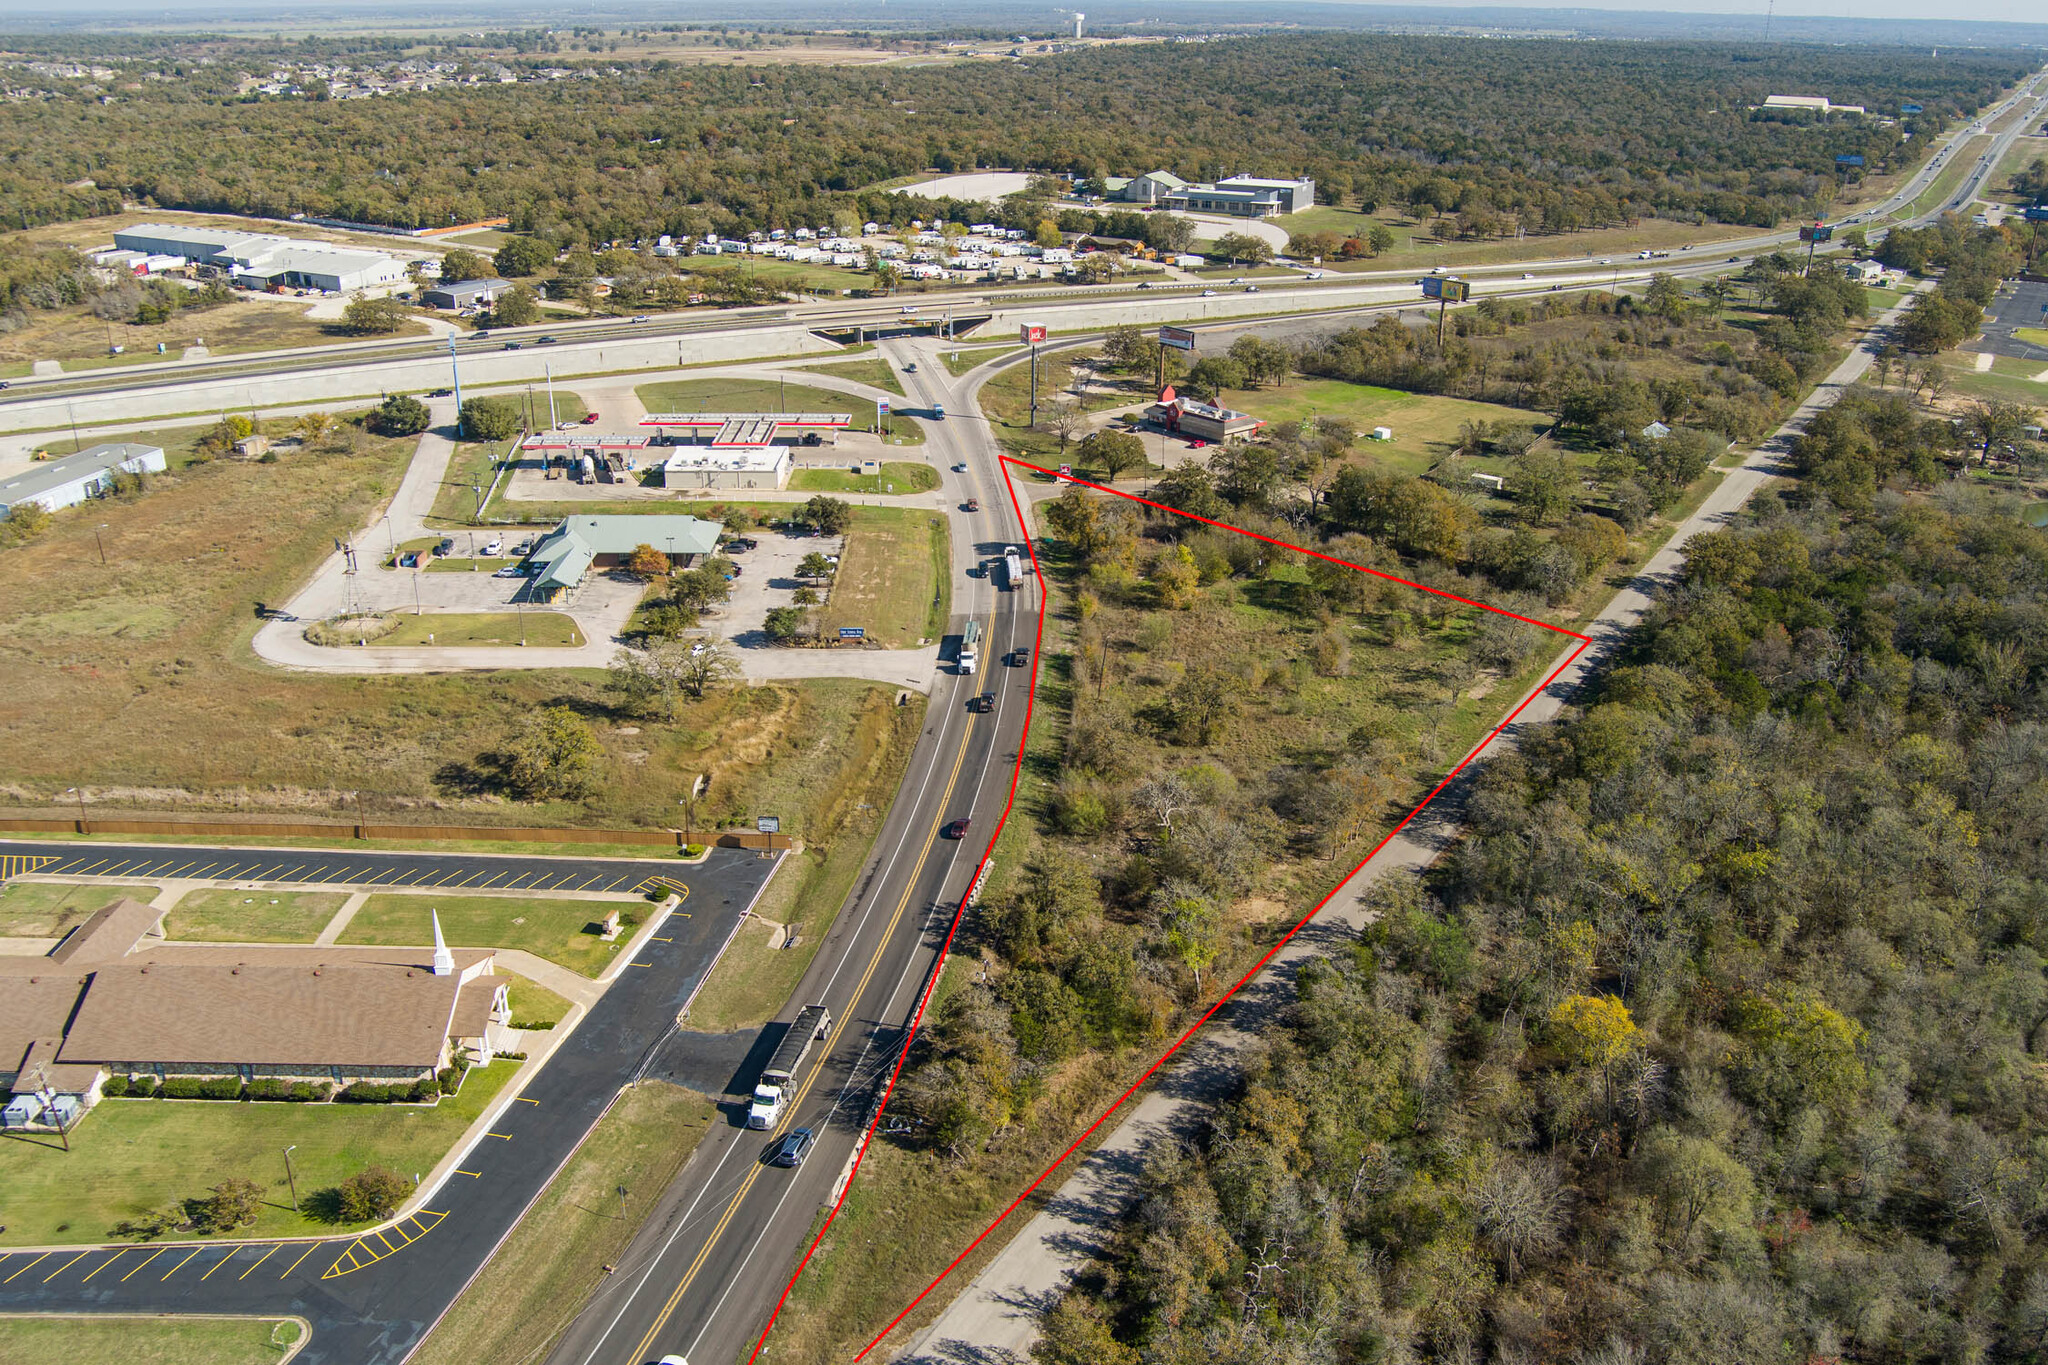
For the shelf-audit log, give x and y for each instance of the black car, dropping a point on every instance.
(545, 341)
(446, 546)
(795, 1146)
(442, 393)
(511, 345)
(985, 702)
(1020, 658)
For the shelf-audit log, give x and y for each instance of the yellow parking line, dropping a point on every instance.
(104, 1264)
(447, 875)
(67, 1265)
(25, 1269)
(176, 870)
(470, 878)
(83, 871)
(145, 1261)
(523, 1100)
(516, 880)
(315, 876)
(380, 876)
(295, 1264)
(259, 1261)
(388, 1248)
(661, 940)
(293, 873)
(221, 1262)
(473, 1175)
(264, 875)
(181, 1265)
(201, 874)
(506, 1136)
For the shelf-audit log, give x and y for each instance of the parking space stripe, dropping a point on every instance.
(176, 870)
(315, 875)
(181, 1265)
(145, 1261)
(293, 873)
(221, 1262)
(67, 1265)
(259, 1261)
(264, 875)
(295, 1264)
(104, 1264)
(84, 871)
(470, 878)
(25, 1269)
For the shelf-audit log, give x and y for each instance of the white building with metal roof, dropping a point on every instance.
(266, 260)
(75, 478)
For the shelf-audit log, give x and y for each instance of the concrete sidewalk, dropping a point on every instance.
(996, 1317)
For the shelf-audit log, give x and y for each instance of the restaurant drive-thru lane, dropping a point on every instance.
(371, 1297)
(708, 1268)
(466, 872)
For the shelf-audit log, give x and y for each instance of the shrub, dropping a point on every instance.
(115, 1086)
(221, 1088)
(428, 1089)
(367, 1092)
(372, 1193)
(401, 415)
(304, 1092)
(227, 1206)
(182, 1088)
(142, 1087)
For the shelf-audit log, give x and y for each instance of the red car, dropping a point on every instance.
(958, 829)
(974, 504)
(589, 418)
(1196, 445)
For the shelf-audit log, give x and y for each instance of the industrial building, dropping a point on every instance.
(1203, 421)
(1245, 196)
(578, 544)
(264, 260)
(115, 999)
(1809, 104)
(73, 479)
(465, 294)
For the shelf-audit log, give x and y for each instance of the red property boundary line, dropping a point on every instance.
(1016, 773)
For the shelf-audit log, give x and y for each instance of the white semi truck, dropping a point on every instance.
(812, 1023)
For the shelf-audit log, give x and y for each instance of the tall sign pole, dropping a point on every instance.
(1031, 333)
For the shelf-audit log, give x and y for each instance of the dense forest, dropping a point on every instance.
(1531, 135)
(1718, 1038)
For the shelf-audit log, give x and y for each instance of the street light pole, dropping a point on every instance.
(78, 792)
(291, 1177)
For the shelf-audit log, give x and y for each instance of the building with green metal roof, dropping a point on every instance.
(578, 544)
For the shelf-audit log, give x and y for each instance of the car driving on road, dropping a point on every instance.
(794, 1147)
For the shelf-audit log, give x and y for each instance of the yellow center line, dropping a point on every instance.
(25, 1269)
(66, 1266)
(259, 1261)
(831, 1041)
(145, 1261)
(221, 1262)
(181, 1265)
(295, 1264)
(104, 1264)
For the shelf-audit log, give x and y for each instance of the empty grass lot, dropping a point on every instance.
(960, 362)
(454, 628)
(147, 1341)
(135, 1156)
(229, 916)
(540, 1279)
(897, 476)
(53, 909)
(553, 929)
(873, 371)
(533, 1005)
(764, 395)
(1425, 426)
(244, 325)
(894, 564)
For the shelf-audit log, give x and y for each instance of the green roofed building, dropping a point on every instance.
(578, 544)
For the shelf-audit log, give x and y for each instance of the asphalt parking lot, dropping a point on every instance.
(767, 580)
(2021, 304)
(334, 867)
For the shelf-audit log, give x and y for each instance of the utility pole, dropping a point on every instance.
(101, 543)
(457, 369)
(548, 372)
(291, 1177)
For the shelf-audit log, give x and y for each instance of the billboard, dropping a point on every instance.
(1031, 333)
(1848, 161)
(1179, 338)
(1819, 232)
(1450, 291)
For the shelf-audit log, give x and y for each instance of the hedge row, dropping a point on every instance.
(449, 1081)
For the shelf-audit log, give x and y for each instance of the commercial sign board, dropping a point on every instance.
(1179, 338)
(882, 407)
(1848, 161)
(1449, 290)
(768, 824)
(1819, 232)
(1031, 333)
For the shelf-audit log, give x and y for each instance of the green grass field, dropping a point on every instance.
(147, 1341)
(1414, 243)
(873, 371)
(539, 1280)
(1425, 426)
(897, 476)
(230, 916)
(532, 1003)
(135, 1156)
(2037, 335)
(53, 909)
(538, 628)
(960, 362)
(553, 929)
(893, 567)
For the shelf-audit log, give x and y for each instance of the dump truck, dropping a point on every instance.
(812, 1023)
(1013, 571)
